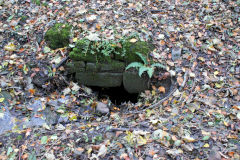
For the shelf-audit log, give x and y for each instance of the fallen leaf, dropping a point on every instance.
(188, 139)
(10, 47)
(206, 145)
(179, 80)
(44, 140)
(2, 99)
(102, 151)
(161, 89)
(133, 40)
(98, 27)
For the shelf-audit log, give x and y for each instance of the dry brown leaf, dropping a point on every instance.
(161, 89)
(180, 80)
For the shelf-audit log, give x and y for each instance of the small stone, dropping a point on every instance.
(161, 36)
(102, 108)
(176, 53)
(78, 151)
(214, 155)
(187, 147)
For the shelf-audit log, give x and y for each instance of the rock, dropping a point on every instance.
(214, 154)
(99, 79)
(133, 83)
(36, 106)
(1, 2)
(176, 53)
(6, 120)
(78, 151)
(75, 66)
(148, 158)
(6, 95)
(188, 147)
(102, 108)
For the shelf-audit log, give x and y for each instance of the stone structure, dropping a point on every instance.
(96, 69)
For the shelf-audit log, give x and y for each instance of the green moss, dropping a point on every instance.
(131, 49)
(107, 51)
(58, 36)
(82, 57)
(24, 18)
(89, 51)
(114, 65)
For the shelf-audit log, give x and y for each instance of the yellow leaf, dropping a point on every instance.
(75, 39)
(141, 141)
(1, 100)
(133, 40)
(201, 59)
(225, 123)
(206, 145)
(217, 85)
(10, 47)
(216, 73)
(188, 139)
(153, 92)
(72, 116)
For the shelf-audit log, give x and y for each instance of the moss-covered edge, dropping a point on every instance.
(124, 50)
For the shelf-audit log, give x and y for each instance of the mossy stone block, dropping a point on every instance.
(92, 67)
(99, 79)
(58, 36)
(133, 83)
(113, 66)
(75, 66)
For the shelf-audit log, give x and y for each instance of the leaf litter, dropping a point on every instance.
(198, 41)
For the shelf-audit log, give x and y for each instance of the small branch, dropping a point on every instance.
(62, 62)
(184, 81)
(159, 102)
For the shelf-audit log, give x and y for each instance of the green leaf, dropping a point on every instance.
(44, 140)
(158, 65)
(206, 138)
(9, 151)
(134, 64)
(141, 70)
(150, 72)
(2, 99)
(144, 59)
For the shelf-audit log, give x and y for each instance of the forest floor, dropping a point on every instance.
(198, 41)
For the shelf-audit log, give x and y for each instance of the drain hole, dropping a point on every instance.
(117, 95)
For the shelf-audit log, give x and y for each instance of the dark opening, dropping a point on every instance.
(117, 95)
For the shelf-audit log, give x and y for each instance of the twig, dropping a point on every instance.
(119, 129)
(222, 89)
(51, 147)
(158, 103)
(184, 81)
(223, 155)
(62, 62)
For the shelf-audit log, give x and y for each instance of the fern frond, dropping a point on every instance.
(134, 64)
(158, 65)
(141, 70)
(144, 59)
(150, 72)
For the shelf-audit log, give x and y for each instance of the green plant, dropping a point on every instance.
(145, 66)
(58, 36)
(37, 2)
